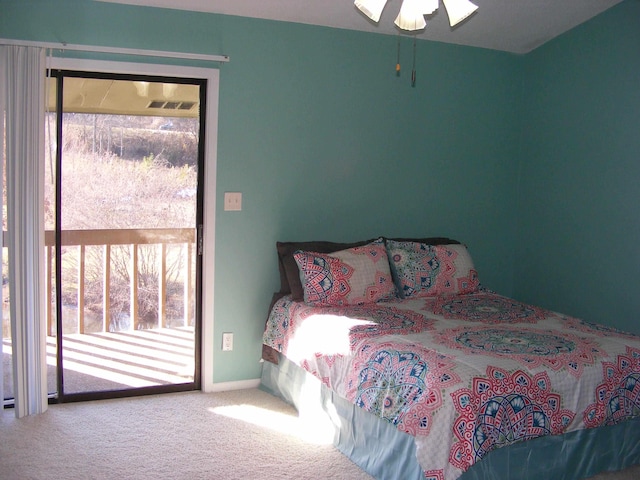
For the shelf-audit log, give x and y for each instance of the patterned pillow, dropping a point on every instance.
(457, 272)
(414, 267)
(429, 270)
(349, 277)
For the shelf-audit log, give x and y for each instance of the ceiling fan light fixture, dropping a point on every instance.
(371, 8)
(429, 6)
(411, 16)
(458, 10)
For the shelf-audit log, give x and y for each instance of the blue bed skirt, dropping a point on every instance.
(387, 453)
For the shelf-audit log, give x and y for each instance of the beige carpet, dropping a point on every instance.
(173, 436)
(246, 434)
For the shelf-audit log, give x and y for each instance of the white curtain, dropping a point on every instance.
(22, 82)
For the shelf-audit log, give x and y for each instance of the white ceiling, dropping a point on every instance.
(516, 26)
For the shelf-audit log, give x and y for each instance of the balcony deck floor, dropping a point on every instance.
(115, 361)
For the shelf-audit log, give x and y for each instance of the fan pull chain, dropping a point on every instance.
(398, 59)
(413, 72)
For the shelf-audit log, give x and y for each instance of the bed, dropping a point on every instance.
(425, 374)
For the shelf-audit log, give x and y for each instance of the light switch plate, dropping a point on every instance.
(227, 342)
(233, 201)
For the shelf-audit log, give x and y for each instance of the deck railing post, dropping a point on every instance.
(188, 286)
(49, 274)
(81, 275)
(133, 307)
(106, 288)
(162, 287)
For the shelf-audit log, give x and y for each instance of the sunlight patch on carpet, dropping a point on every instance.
(314, 431)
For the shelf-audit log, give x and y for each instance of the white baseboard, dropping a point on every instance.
(227, 386)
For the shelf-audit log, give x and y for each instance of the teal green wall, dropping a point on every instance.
(325, 142)
(578, 249)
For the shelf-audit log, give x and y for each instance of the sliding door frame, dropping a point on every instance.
(205, 295)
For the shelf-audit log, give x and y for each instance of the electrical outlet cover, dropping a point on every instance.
(227, 342)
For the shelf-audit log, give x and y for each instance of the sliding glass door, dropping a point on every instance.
(124, 216)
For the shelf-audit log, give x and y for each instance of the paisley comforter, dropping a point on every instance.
(464, 374)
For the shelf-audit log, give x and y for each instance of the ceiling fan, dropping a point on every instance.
(412, 12)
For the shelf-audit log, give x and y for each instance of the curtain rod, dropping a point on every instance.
(117, 50)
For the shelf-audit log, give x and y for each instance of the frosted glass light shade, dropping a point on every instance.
(429, 6)
(371, 8)
(458, 10)
(411, 16)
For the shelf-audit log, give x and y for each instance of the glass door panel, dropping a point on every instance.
(127, 211)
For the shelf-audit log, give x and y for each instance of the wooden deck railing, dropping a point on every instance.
(133, 238)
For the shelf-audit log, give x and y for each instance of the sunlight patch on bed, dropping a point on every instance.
(305, 429)
(325, 334)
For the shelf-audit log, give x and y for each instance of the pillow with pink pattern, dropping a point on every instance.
(457, 273)
(354, 276)
(423, 270)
